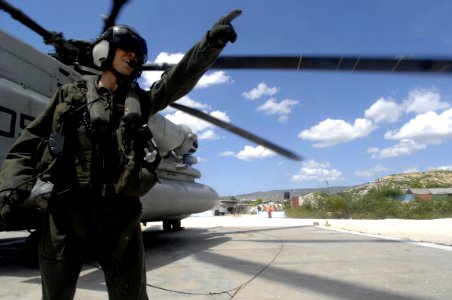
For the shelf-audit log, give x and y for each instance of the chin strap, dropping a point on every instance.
(126, 79)
(120, 77)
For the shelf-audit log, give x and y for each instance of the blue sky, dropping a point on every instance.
(350, 128)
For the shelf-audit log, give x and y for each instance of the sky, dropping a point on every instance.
(349, 127)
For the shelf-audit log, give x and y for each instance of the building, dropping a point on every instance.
(428, 194)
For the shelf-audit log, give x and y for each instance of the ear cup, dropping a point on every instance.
(100, 53)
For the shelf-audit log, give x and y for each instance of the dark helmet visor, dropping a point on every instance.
(128, 40)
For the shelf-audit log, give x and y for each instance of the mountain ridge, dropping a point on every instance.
(403, 181)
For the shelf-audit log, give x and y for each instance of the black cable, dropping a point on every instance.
(228, 292)
(234, 290)
(8, 195)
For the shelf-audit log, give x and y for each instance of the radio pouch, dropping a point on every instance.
(136, 174)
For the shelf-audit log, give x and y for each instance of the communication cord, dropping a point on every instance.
(14, 189)
(232, 292)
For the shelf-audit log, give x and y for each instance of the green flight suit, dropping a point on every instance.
(81, 219)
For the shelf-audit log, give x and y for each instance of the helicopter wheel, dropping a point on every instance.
(172, 225)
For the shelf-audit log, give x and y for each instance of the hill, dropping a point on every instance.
(405, 181)
(278, 195)
(429, 179)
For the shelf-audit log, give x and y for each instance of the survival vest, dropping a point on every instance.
(81, 119)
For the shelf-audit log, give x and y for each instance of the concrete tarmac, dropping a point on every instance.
(259, 258)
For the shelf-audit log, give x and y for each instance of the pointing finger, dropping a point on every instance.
(226, 19)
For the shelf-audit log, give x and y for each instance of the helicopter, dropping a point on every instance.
(25, 91)
(28, 78)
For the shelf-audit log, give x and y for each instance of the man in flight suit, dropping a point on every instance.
(86, 215)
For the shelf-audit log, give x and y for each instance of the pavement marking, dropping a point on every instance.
(407, 241)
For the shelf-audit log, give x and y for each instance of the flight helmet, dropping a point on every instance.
(119, 36)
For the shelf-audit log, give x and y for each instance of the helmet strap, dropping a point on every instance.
(120, 77)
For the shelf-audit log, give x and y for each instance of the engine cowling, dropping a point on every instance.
(172, 137)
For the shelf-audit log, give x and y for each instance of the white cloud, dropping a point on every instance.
(424, 100)
(410, 170)
(202, 128)
(404, 147)
(209, 79)
(312, 170)
(227, 153)
(250, 153)
(428, 127)
(331, 132)
(170, 58)
(384, 111)
(283, 118)
(418, 101)
(202, 159)
(442, 168)
(282, 109)
(179, 117)
(213, 78)
(208, 135)
(192, 103)
(220, 115)
(259, 91)
(149, 77)
(187, 101)
(372, 171)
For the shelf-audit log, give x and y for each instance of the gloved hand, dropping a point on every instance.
(5, 214)
(8, 200)
(222, 31)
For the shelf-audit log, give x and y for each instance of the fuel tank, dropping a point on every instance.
(176, 199)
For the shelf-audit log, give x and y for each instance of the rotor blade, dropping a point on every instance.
(339, 63)
(328, 63)
(237, 130)
(111, 19)
(53, 38)
(156, 66)
(24, 19)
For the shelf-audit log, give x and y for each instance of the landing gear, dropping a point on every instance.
(172, 225)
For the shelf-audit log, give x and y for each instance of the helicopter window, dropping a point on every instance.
(6, 129)
(8, 119)
(25, 120)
